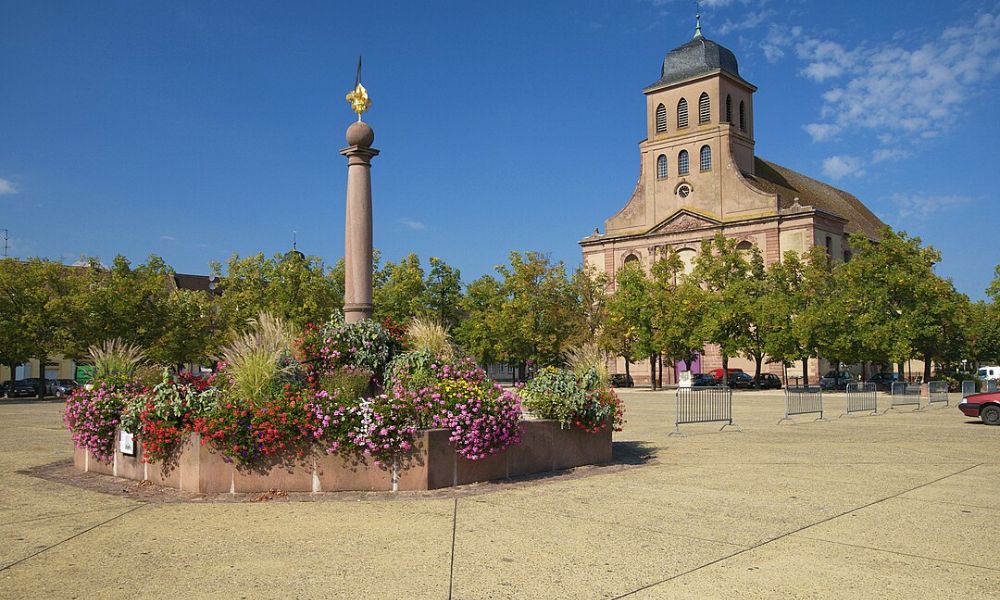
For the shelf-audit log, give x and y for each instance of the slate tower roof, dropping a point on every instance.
(700, 56)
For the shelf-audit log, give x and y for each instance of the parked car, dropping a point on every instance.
(987, 373)
(703, 380)
(23, 388)
(770, 381)
(836, 380)
(4, 387)
(985, 406)
(740, 380)
(63, 387)
(883, 381)
(622, 380)
(717, 373)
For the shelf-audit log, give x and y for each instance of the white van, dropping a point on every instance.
(987, 373)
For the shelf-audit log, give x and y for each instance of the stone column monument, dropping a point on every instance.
(358, 221)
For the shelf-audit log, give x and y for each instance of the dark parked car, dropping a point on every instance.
(703, 380)
(985, 406)
(836, 380)
(23, 388)
(4, 387)
(883, 381)
(740, 380)
(770, 381)
(622, 380)
(63, 387)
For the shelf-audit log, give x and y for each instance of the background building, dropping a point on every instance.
(699, 176)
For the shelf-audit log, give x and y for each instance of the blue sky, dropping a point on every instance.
(194, 130)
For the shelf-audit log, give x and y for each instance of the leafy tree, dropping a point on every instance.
(399, 290)
(443, 293)
(32, 320)
(677, 306)
(797, 313)
(296, 288)
(752, 304)
(883, 292)
(191, 332)
(629, 331)
(721, 271)
(538, 310)
(590, 287)
(480, 332)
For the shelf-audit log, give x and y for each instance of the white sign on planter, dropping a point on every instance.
(126, 445)
(685, 379)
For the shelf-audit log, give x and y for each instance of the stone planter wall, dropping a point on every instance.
(433, 464)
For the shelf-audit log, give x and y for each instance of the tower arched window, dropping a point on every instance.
(743, 117)
(704, 109)
(729, 108)
(705, 159)
(661, 119)
(661, 166)
(682, 113)
(682, 163)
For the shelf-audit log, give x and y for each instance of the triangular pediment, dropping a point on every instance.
(684, 220)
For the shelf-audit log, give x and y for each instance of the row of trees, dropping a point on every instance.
(884, 306)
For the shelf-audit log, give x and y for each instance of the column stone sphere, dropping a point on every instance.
(360, 134)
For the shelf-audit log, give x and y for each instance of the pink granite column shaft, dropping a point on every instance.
(358, 223)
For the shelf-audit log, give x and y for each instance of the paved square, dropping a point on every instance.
(903, 505)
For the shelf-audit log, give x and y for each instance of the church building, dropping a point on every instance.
(699, 176)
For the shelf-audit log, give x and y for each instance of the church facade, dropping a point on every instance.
(699, 176)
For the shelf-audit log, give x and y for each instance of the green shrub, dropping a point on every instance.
(554, 394)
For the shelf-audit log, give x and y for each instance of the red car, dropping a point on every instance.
(984, 406)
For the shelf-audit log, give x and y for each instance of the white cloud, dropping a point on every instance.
(750, 21)
(412, 224)
(884, 154)
(821, 131)
(895, 91)
(7, 187)
(777, 39)
(838, 167)
(168, 238)
(919, 207)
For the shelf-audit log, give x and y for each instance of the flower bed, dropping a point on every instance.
(431, 464)
(341, 399)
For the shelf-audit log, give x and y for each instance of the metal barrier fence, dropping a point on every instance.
(802, 400)
(904, 393)
(968, 388)
(861, 397)
(937, 391)
(703, 405)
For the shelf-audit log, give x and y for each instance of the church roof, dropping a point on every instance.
(795, 188)
(700, 56)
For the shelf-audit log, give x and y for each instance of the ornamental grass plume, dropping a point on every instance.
(256, 358)
(116, 359)
(585, 357)
(429, 335)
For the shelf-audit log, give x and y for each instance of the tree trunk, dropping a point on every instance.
(725, 368)
(864, 370)
(805, 370)
(659, 370)
(652, 371)
(756, 375)
(900, 371)
(927, 368)
(627, 374)
(41, 377)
